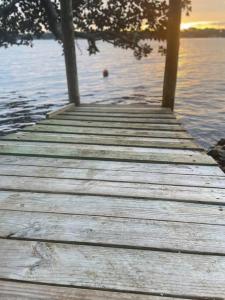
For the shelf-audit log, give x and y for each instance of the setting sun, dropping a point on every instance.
(205, 14)
(189, 25)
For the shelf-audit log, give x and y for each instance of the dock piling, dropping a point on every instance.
(172, 56)
(70, 51)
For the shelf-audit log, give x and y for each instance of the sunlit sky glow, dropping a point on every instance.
(206, 14)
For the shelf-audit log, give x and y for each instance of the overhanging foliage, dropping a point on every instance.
(129, 24)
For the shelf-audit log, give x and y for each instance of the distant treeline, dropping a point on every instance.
(203, 33)
(188, 33)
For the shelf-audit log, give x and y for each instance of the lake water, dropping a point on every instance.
(32, 82)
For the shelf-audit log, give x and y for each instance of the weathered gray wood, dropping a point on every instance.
(110, 175)
(114, 207)
(174, 202)
(10, 290)
(113, 105)
(108, 188)
(169, 127)
(117, 119)
(118, 114)
(172, 54)
(103, 140)
(69, 51)
(112, 165)
(127, 109)
(105, 152)
(137, 233)
(114, 269)
(60, 110)
(108, 131)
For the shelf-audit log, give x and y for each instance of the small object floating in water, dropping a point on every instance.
(105, 73)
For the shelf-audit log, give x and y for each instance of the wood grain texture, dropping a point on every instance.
(107, 188)
(117, 176)
(136, 110)
(113, 206)
(24, 291)
(115, 269)
(110, 198)
(168, 127)
(145, 121)
(108, 131)
(106, 152)
(112, 165)
(121, 232)
(103, 140)
(121, 114)
(63, 109)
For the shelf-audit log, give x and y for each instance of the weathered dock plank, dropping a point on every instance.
(124, 109)
(103, 140)
(105, 152)
(111, 188)
(114, 269)
(108, 131)
(105, 202)
(121, 125)
(121, 207)
(117, 175)
(121, 114)
(111, 119)
(135, 233)
(112, 165)
(25, 291)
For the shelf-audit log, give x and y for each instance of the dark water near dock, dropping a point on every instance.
(32, 82)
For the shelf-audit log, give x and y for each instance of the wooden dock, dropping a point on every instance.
(110, 202)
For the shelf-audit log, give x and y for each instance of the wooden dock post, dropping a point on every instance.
(70, 51)
(173, 44)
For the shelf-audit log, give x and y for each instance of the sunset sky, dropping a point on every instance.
(206, 13)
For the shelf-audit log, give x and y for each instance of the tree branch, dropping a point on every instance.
(6, 10)
(53, 19)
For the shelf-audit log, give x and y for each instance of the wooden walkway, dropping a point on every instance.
(110, 202)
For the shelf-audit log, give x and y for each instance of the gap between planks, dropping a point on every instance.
(116, 176)
(98, 152)
(112, 165)
(118, 207)
(103, 140)
(108, 119)
(27, 291)
(118, 125)
(118, 189)
(107, 131)
(106, 231)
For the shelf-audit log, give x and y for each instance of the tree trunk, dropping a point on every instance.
(70, 51)
(172, 56)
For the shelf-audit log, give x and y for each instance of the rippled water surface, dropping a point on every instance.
(32, 82)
